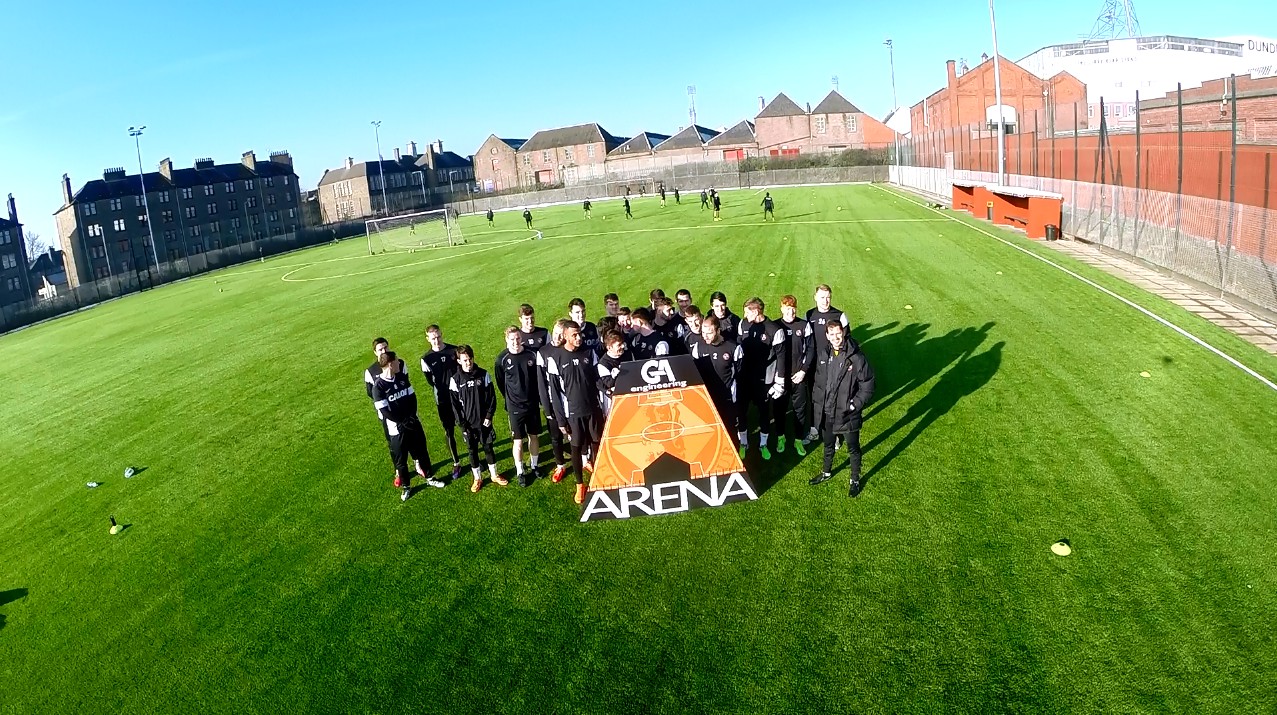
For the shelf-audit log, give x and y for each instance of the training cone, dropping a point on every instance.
(115, 528)
(1061, 548)
(1146, 373)
(908, 307)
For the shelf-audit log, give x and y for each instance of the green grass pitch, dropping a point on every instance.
(268, 565)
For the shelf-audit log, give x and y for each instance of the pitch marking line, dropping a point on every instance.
(287, 277)
(741, 225)
(1235, 362)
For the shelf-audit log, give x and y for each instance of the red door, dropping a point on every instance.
(733, 154)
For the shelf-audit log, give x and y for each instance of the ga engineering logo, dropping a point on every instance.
(665, 448)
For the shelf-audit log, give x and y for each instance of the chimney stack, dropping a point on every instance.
(396, 153)
(350, 161)
(951, 68)
(250, 160)
(66, 189)
(809, 107)
(281, 157)
(761, 104)
(166, 168)
(13, 210)
(412, 148)
(438, 146)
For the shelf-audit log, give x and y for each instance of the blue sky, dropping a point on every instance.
(217, 79)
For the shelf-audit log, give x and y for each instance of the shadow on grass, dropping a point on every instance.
(903, 360)
(13, 594)
(971, 373)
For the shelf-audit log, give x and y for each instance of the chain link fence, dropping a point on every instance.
(1195, 197)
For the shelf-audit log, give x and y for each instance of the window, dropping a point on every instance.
(255, 219)
(251, 202)
(270, 198)
(820, 124)
(186, 192)
(288, 195)
(167, 215)
(124, 246)
(1090, 111)
(8, 260)
(13, 284)
(146, 242)
(567, 155)
(235, 222)
(197, 247)
(589, 151)
(212, 208)
(284, 180)
(527, 160)
(545, 157)
(208, 189)
(292, 213)
(849, 120)
(230, 187)
(102, 271)
(1131, 110)
(5, 238)
(248, 184)
(97, 251)
(215, 228)
(94, 229)
(217, 245)
(274, 216)
(232, 205)
(141, 218)
(118, 224)
(163, 197)
(89, 209)
(174, 254)
(169, 236)
(190, 212)
(139, 201)
(117, 204)
(195, 231)
(269, 181)
(126, 265)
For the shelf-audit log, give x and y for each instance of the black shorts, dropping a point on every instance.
(586, 429)
(525, 423)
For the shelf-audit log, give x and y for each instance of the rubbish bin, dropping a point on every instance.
(1052, 232)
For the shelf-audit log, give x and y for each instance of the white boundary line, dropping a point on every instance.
(287, 279)
(1102, 289)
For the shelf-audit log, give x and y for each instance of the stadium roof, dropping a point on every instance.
(835, 103)
(781, 106)
(643, 142)
(129, 185)
(693, 137)
(570, 136)
(742, 133)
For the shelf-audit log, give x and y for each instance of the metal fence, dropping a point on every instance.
(688, 178)
(68, 300)
(1194, 196)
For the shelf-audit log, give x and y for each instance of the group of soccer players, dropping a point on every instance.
(806, 379)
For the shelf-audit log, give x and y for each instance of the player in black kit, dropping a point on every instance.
(586, 206)
(515, 372)
(527, 217)
(396, 404)
(628, 214)
(574, 391)
(438, 365)
(720, 361)
(768, 206)
(763, 376)
(798, 404)
(475, 402)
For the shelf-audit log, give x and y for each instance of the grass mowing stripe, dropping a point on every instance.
(1234, 361)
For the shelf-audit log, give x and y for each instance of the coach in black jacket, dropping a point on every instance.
(842, 387)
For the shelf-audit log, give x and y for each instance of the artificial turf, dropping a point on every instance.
(269, 566)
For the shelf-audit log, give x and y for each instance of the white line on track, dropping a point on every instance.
(1237, 363)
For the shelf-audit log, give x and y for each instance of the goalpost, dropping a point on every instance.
(411, 232)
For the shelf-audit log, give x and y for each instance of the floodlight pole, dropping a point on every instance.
(895, 104)
(385, 203)
(997, 94)
(136, 133)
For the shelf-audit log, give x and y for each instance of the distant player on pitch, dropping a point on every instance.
(490, 216)
(718, 205)
(527, 217)
(768, 206)
(628, 214)
(586, 206)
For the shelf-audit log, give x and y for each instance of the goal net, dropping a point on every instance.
(410, 232)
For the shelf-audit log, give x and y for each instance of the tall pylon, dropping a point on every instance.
(1117, 19)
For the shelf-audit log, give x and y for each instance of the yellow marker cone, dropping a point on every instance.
(1146, 373)
(999, 272)
(115, 528)
(908, 307)
(1061, 548)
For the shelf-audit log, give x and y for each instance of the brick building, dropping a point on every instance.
(969, 100)
(1210, 107)
(687, 146)
(733, 144)
(102, 228)
(15, 280)
(635, 156)
(783, 128)
(496, 164)
(446, 169)
(48, 273)
(565, 155)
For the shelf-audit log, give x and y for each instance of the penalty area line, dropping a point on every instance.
(1234, 361)
(287, 277)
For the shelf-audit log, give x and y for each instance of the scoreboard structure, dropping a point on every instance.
(665, 447)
